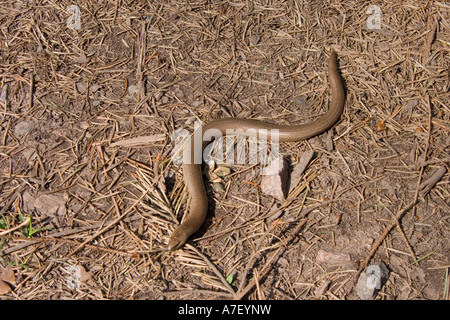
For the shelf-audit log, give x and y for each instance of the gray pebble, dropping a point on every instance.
(371, 280)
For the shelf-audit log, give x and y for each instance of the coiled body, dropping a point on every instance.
(192, 171)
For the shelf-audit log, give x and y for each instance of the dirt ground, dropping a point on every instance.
(89, 194)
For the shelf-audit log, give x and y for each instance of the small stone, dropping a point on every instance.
(22, 128)
(95, 87)
(384, 46)
(47, 205)
(132, 89)
(4, 93)
(275, 180)
(81, 87)
(333, 259)
(300, 167)
(81, 58)
(84, 275)
(196, 104)
(371, 280)
(84, 125)
(255, 39)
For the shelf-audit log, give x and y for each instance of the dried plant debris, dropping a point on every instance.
(92, 92)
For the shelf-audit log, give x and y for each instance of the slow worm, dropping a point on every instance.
(192, 171)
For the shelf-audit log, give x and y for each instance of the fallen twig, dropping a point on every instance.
(27, 221)
(71, 242)
(268, 266)
(430, 183)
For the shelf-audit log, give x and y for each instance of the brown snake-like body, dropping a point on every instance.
(192, 171)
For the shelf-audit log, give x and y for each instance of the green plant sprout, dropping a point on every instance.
(28, 231)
